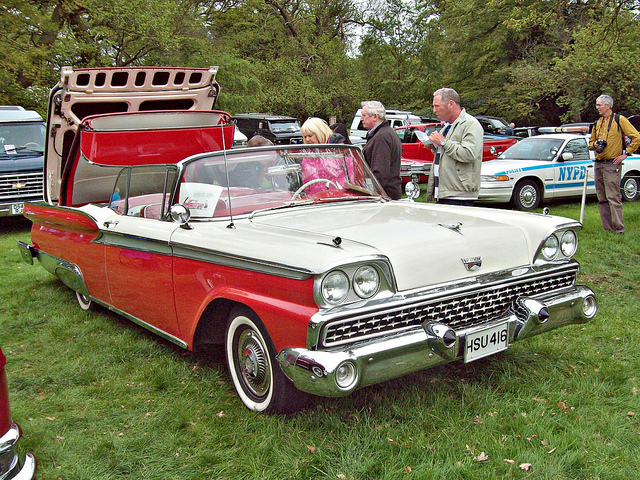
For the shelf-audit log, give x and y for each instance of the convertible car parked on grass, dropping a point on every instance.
(293, 258)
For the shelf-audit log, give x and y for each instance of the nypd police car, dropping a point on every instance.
(546, 167)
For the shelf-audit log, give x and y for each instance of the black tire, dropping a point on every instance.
(526, 195)
(256, 376)
(86, 303)
(629, 187)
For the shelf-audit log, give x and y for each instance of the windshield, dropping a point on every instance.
(274, 177)
(285, 127)
(534, 148)
(22, 138)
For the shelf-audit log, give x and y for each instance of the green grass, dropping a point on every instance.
(99, 398)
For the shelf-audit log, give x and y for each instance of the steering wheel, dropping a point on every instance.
(31, 143)
(326, 181)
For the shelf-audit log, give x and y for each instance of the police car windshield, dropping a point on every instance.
(534, 148)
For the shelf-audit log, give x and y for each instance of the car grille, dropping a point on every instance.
(21, 187)
(459, 311)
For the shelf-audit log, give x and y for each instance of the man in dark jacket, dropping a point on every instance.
(383, 149)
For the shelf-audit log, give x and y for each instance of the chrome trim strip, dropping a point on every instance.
(133, 242)
(149, 245)
(161, 333)
(237, 261)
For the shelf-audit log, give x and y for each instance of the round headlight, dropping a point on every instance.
(335, 287)
(569, 243)
(366, 282)
(550, 248)
(346, 375)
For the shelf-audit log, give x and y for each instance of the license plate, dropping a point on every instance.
(17, 208)
(486, 342)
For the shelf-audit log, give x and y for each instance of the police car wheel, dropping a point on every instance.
(526, 195)
(630, 188)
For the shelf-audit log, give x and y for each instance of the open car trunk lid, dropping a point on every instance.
(92, 91)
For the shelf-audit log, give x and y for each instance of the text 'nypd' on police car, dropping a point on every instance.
(549, 166)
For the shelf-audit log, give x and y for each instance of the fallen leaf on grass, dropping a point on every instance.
(630, 414)
(483, 457)
(221, 414)
(342, 476)
(509, 461)
(51, 419)
(311, 448)
(525, 466)
(408, 469)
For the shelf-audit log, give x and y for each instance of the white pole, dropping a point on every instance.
(584, 193)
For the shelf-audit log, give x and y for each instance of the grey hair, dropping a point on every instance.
(375, 108)
(606, 99)
(448, 94)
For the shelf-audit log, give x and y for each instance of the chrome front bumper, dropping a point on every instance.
(339, 371)
(494, 192)
(9, 462)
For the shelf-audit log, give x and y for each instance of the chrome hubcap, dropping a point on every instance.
(630, 188)
(528, 196)
(253, 363)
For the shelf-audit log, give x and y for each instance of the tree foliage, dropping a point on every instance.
(532, 61)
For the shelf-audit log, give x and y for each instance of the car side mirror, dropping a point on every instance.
(566, 156)
(180, 214)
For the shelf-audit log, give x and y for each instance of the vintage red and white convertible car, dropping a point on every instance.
(293, 258)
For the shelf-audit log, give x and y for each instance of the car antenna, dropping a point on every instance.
(226, 171)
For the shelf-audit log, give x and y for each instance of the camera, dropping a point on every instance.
(600, 145)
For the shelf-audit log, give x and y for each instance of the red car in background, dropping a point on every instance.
(10, 433)
(417, 159)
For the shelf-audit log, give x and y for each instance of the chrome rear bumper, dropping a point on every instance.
(339, 371)
(9, 462)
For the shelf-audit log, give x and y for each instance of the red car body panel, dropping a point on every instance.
(69, 234)
(271, 298)
(415, 152)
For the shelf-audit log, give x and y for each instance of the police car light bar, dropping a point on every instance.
(577, 129)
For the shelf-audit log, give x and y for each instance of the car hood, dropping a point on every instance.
(425, 244)
(502, 166)
(22, 162)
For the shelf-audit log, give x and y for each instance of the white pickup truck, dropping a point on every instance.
(546, 167)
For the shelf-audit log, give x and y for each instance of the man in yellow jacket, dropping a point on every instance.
(609, 140)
